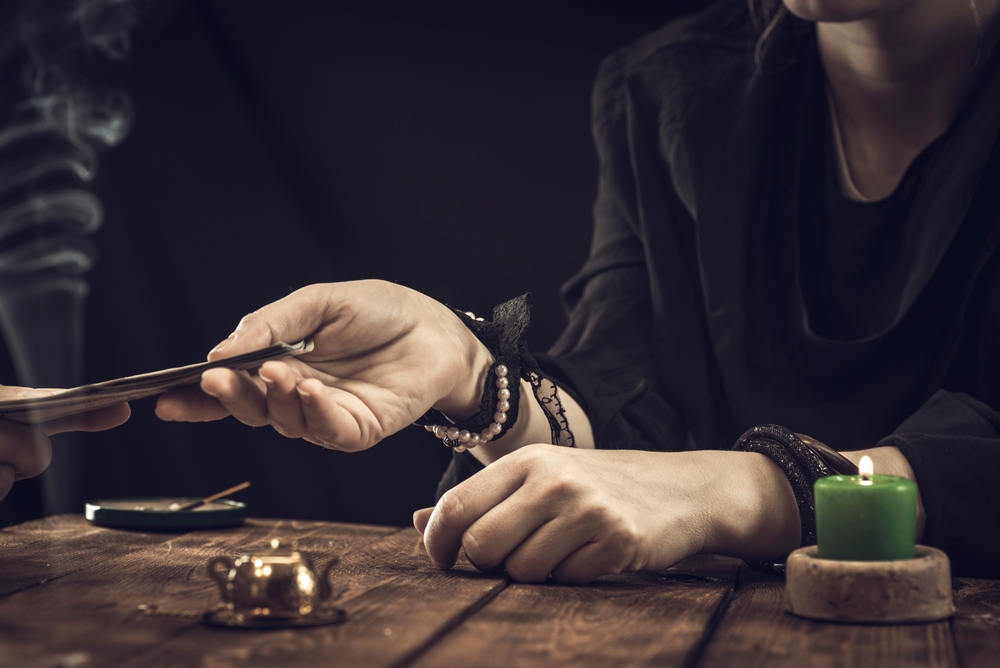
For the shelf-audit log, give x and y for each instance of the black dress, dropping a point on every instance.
(730, 284)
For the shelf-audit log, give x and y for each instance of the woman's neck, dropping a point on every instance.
(896, 78)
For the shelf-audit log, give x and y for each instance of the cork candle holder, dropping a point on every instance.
(870, 592)
(865, 566)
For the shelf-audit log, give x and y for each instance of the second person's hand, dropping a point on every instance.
(25, 449)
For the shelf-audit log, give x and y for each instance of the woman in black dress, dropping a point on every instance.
(796, 224)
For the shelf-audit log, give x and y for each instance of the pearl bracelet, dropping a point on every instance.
(463, 439)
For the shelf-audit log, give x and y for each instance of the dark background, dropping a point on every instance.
(442, 145)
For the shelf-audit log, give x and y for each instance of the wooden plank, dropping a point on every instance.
(50, 548)
(398, 604)
(626, 620)
(977, 622)
(756, 631)
(124, 603)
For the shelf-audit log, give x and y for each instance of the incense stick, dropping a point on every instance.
(209, 499)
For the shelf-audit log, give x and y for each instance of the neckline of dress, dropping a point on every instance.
(844, 181)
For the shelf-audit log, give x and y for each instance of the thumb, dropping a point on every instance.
(287, 320)
(420, 519)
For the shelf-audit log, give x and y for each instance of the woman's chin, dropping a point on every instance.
(843, 11)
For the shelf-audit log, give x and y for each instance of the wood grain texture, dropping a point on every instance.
(74, 595)
(398, 604)
(625, 620)
(756, 631)
(92, 617)
(976, 625)
(50, 548)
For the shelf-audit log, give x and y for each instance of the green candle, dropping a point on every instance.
(865, 517)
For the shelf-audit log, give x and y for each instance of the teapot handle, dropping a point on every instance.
(221, 577)
(324, 580)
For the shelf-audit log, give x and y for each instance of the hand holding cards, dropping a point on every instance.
(61, 403)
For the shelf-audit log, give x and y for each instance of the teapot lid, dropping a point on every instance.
(279, 549)
(282, 548)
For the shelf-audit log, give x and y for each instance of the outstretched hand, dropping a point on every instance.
(382, 356)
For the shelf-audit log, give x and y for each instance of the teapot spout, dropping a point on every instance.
(324, 580)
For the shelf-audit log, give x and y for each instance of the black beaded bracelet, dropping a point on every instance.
(803, 462)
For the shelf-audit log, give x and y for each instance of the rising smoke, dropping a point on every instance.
(57, 112)
(49, 145)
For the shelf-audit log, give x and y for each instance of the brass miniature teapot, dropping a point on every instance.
(275, 583)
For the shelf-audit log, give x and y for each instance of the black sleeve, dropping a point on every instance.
(953, 447)
(462, 467)
(605, 357)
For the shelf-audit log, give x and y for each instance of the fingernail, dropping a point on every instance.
(267, 381)
(303, 395)
(415, 525)
(222, 346)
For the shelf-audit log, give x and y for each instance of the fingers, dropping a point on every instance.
(574, 546)
(322, 415)
(189, 404)
(460, 507)
(588, 563)
(8, 392)
(535, 558)
(98, 420)
(24, 448)
(530, 537)
(539, 511)
(284, 406)
(500, 531)
(310, 410)
(239, 394)
(336, 419)
(420, 519)
(296, 408)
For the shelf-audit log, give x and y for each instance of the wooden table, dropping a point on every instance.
(77, 596)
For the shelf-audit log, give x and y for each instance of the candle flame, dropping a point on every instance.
(865, 467)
